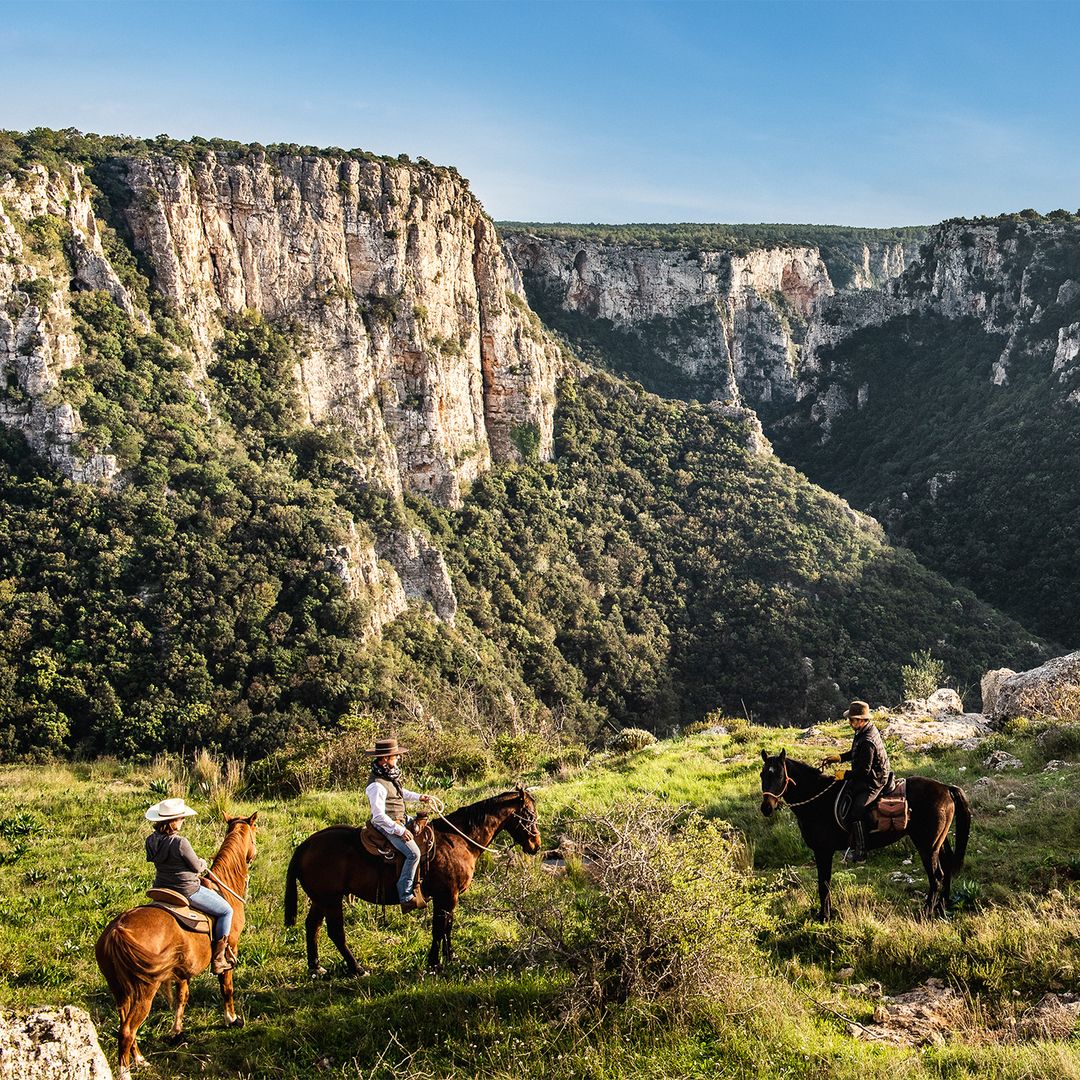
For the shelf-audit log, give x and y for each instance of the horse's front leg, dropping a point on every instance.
(439, 930)
(824, 861)
(934, 876)
(448, 948)
(231, 1019)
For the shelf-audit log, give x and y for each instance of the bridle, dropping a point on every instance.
(778, 798)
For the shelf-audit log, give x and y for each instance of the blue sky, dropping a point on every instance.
(854, 113)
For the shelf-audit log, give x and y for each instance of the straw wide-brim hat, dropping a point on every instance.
(169, 810)
(386, 748)
(858, 710)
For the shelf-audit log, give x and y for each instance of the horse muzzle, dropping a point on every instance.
(769, 803)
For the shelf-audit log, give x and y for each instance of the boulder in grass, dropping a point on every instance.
(945, 701)
(51, 1044)
(1000, 760)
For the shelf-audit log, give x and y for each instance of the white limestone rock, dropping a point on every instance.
(1047, 689)
(51, 1044)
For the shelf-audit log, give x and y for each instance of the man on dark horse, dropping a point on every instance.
(867, 777)
(387, 798)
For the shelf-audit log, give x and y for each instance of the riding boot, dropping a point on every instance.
(222, 961)
(857, 852)
(415, 902)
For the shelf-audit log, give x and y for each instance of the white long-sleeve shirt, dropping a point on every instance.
(376, 794)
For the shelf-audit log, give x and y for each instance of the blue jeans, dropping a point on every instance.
(407, 881)
(216, 906)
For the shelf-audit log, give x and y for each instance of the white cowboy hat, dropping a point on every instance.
(168, 809)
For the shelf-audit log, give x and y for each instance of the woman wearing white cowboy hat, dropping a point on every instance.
(178, 868)
(387, 798)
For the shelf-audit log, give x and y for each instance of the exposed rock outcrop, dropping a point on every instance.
(51, 1044)
(1049, 688)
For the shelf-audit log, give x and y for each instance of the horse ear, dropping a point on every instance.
(764, 755)
(783, 755)
(254, 817)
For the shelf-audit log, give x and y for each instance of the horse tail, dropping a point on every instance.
(290, 885)
(127, 964)
(963, 826)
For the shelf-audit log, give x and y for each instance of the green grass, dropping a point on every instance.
(71, 857)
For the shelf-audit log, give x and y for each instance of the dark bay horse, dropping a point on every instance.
(812, 798)
(332, 864)
(145, 948)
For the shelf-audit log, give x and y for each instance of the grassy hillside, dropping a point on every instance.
(70, 839)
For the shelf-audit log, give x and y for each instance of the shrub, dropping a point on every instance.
(656, 914)
(923, 675)
(632, 738)
(1059, 742)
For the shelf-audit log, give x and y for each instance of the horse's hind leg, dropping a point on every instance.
(131, 1020)
(448, 948)
(946, 860)
(335, 927)
(438, 930)
(182, 992)
(934, 875)
(312, 924)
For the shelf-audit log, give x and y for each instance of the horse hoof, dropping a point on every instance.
(317, 972)
(359, 973)
(176, 1037)
(237, 1022)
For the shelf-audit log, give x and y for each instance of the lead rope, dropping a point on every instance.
(440, 814)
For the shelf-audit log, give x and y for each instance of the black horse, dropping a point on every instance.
(812, 798)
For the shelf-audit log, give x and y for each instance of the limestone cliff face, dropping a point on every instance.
(416, 331)
(750, 322)
(49, 245)
(411, 323)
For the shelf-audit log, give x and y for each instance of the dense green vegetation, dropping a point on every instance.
(543, 983)
(979, 480)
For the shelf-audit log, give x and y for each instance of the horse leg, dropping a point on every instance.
(335, 927)
(448, 948)
(137, 1011)
(183, 990)
(824, 860)
(231, 1019)
(438, 931)
(312, 924)
(932, 866)
(946, 861)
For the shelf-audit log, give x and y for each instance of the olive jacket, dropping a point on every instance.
(869, 761)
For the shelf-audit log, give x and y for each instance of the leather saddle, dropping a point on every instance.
(176, 905)
(378, 846)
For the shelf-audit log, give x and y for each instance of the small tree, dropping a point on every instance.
(923, 675)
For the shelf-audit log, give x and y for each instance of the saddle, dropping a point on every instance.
(890, 814)
(378, 846)
(176, 905)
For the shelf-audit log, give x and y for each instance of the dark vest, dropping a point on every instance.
(395, 804)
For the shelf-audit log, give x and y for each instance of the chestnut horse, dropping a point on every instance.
(812, 798)
(145, 948)
(332, 864)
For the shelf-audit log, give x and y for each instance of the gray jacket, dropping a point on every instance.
(178, 867)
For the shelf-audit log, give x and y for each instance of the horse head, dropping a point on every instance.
(774, 781)
(523, 824)
(247, 824)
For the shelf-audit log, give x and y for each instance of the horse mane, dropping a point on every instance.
(474, 815)
(230, 862)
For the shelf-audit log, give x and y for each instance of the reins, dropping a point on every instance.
(439, 808)
(221, 884)
(788, 782)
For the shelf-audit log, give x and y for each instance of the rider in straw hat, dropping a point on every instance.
(388, 798)
(178, 868)
(867, 777)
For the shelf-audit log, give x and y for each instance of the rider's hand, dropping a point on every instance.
(425, 798)
(407, 836)
(830, 759)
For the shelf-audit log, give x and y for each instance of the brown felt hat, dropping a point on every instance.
(858, 710)
(386, 748)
